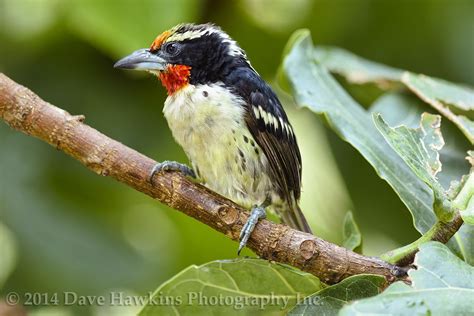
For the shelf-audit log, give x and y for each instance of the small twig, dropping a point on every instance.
(25, 111)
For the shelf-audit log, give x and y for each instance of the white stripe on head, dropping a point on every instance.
(191, 31)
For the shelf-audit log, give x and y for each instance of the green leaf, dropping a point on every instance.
(465, 239)
(312, 86)
(464, 200)
(121, 26)
(468, 214)
(330, 300)
(8, 248)
(354, 68)
(440, 94)
(442, 284)
(233, 287)
(405, 109)
(419, 148)
(352, 239)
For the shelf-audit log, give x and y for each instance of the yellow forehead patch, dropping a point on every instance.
(160, 40)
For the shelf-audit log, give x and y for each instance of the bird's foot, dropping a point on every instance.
(256, 213)
(171, 166)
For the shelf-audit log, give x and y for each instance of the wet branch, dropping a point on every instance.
(24, 111)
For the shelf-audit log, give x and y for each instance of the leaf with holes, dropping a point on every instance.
(405, 109)
(419, 148)
(232, 287)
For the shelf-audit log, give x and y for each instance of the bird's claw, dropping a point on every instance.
(256, 213)
(171, 166)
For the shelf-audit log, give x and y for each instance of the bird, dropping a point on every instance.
(228, 120)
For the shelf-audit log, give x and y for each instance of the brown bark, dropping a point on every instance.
(25, 111)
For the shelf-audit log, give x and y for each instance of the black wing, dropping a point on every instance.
(269, 125)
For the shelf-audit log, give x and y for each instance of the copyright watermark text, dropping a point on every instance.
(156, 299)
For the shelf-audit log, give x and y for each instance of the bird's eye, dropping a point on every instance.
(172, 49)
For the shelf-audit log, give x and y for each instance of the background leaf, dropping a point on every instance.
(442, 284)
(313, 87)
(244, 285)
(354, 68)
(330, 300)
(125, 26)
(8, 248)
(440, 94)
(352, 239)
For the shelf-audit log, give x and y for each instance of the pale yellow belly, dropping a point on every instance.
(211, 129)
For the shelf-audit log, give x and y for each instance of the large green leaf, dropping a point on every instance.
(232, 287)
(313, 87)
(399, 108)
(330, 300)
(354, 68)
(352, 238)
(442, 284)
(440, 94)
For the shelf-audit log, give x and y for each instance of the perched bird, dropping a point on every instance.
(229, 122)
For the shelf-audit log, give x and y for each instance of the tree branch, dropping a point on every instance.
(25, 111)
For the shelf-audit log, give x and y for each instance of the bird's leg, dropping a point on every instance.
(256, 213)
(171, 166)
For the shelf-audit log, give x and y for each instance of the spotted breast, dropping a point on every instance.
(208, 122)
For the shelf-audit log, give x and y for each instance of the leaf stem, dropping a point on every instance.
(440, 230)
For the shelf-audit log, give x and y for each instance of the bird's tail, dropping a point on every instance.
(293, 217)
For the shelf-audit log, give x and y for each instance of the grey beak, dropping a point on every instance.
(141, 59)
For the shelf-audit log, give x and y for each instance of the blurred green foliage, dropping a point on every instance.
(74, 231)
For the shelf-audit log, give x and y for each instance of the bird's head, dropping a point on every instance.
(188, 54)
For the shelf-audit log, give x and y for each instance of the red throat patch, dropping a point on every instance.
(175, 77)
